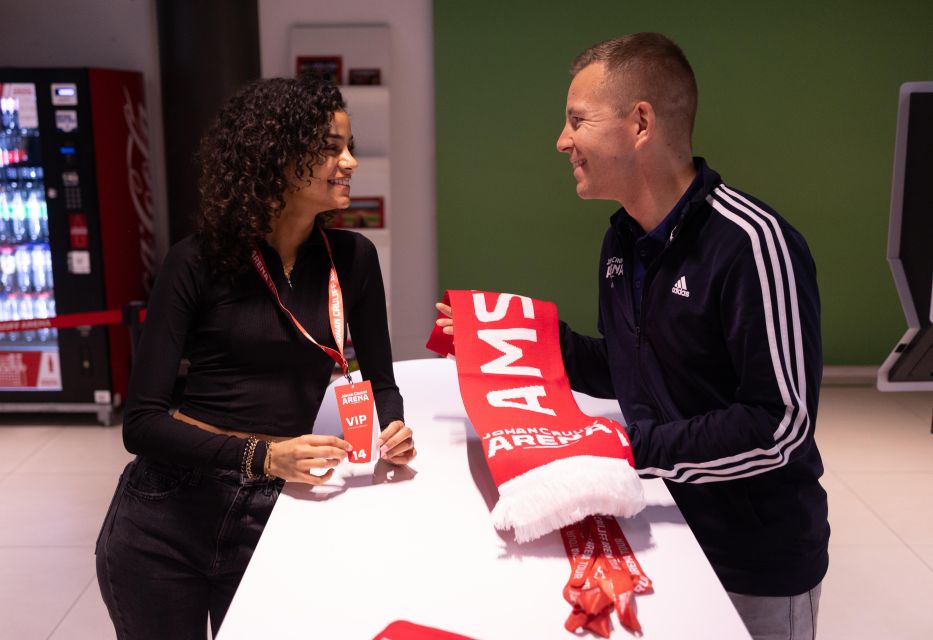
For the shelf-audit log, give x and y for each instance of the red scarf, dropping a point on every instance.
(553, 464)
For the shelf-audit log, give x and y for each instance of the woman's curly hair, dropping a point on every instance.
(263, 131)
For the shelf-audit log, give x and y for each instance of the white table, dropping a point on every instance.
(379, 543)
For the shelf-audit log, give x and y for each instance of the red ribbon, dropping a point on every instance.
(604, 574)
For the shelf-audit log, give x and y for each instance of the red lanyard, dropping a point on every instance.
(334, 305)
(604, 575)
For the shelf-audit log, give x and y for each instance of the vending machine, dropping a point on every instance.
(76, 233)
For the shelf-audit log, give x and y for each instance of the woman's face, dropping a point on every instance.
(329, 184)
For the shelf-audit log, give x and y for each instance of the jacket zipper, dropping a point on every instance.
(644, 289)
(641, 314)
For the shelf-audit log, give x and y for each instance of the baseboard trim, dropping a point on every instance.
(855, 375)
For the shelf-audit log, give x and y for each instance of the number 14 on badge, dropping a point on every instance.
(357, 417)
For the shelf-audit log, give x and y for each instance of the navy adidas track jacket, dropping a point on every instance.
(718, 381)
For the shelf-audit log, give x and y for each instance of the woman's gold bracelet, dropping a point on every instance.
(248, 455)
(267, 464)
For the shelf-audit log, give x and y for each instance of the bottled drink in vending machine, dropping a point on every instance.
(43, 219)
(51, 308)
(14, 147)
(33, 217)
(23, 269)
(8, 109)
(39, 274)
(41, 309)
(18, 215)
(13, 144)
(9, 310)
(27, 312)
(4, 337)
(7, 270)
(47, 265)
(6, 221)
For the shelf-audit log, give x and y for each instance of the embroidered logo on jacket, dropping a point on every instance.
(613, 268)
(680, 287)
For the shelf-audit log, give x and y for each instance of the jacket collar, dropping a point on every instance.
(708, 181)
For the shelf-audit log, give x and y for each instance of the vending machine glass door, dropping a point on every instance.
(29, 359)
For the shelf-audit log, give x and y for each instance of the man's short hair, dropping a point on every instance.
(649, 67)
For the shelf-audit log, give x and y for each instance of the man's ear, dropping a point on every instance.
(644, 120)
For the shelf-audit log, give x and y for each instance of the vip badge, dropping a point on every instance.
(357, 415)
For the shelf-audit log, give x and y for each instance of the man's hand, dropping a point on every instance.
(447, 324)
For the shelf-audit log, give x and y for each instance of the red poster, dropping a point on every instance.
(30, 370)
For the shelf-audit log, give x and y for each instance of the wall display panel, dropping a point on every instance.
(910, 365)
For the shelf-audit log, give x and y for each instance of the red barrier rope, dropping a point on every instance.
(71, 320)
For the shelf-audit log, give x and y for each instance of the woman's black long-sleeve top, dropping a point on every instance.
(250, 369)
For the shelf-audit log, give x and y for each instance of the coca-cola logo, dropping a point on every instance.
(140, 181)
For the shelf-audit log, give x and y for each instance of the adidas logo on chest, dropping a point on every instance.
(680, 287)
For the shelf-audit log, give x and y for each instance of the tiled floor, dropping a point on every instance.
(57, 477)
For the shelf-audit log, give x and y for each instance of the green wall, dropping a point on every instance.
(798, 106)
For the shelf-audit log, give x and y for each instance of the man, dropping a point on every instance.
(709, 309)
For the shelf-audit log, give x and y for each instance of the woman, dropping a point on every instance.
(190, 508)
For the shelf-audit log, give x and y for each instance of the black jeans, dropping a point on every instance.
(174, 546)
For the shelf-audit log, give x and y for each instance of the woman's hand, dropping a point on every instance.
(396, 444)
(447, 324)
(300, 459)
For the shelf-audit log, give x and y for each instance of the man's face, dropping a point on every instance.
(599, 142)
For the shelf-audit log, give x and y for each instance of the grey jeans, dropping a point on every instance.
(786, 618)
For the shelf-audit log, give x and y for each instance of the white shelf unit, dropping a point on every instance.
(371, 179)
(361, 47)
(368, 107)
